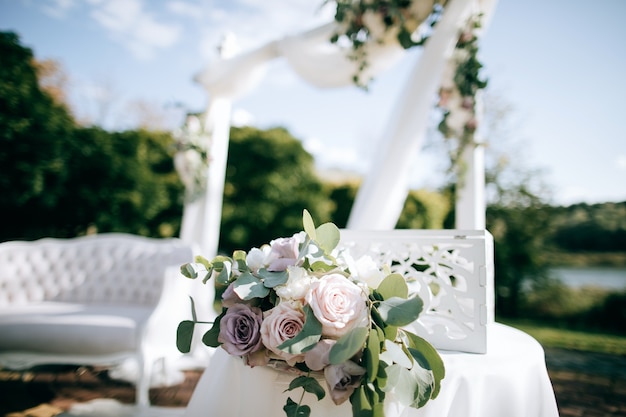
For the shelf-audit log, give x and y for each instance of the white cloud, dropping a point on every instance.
(186, 9)
(241, 117)
(621, 162)
(58, 8)
(128, 23)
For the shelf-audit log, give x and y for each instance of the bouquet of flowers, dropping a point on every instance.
(301, 304)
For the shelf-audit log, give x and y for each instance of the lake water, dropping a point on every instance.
(611, 278)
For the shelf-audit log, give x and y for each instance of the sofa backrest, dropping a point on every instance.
(109, 268)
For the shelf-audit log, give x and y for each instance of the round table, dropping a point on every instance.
(510, 380)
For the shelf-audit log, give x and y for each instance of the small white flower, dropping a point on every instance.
(257, 258)
(296, 286)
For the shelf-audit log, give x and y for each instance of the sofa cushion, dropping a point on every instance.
(68, 328)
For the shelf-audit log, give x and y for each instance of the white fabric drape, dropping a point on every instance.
(510, 380)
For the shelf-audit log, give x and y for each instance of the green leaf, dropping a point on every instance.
(428, 358)
(348, 345)
(184, 335)
(391, 332)
(393, 285)
(210, 337)
(309, 384)
(307, 338)
(223, 277)
(397, 311)
(322, 266)
(403, 384)
(371, 355)
(394, 354)
(309, 226)
(203, 261)
(361, 406)
(273, 279)
(189, 270)
(292, 409)
(247, 287)
(327, 237)
(194, 316)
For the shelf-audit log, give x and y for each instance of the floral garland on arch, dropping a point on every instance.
(461, 84)
(362, 22)
(301, 305)
(191, 160)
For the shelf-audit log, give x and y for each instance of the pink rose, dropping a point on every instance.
(240, 330)
(342, 379)
(283, 253)
(280, 324)
(338, 304)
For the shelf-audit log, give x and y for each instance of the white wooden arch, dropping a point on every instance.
(381, 196)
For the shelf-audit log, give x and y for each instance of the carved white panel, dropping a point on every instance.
(451, 270)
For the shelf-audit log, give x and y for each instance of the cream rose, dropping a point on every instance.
(338, 304)
(280, 324)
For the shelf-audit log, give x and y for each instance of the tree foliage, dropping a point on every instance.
(270, 179)
(60, 180)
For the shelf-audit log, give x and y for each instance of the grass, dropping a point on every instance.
(551, 337)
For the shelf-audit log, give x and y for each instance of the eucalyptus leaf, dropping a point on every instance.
(223, 276)
(247, 287)
(309, 384)
(273, 279)
(210, 337)
(293, 409)
(184, 335)
(361, 406)
(394, 354)
(402, 383)
(307, 338)
(327, 237)
(372, 355)
(428, 358)
(203, 261)
(189, 270)
(397, 311)
(348, 345)
(309, 226)
(394, 285)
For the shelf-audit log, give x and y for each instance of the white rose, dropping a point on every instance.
(338, 304)
(368, 271)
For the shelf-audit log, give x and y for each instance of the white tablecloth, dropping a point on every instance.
(511, 380)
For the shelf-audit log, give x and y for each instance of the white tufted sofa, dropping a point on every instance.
(93, 300)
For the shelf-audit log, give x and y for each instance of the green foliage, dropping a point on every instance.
(33, 130)
(590, 228)
(424, 209)
(61, 180)
(519, 234)
(270, 179)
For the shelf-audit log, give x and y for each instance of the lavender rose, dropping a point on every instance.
(342, 379)
(318, 358)
(240, 330)
(283, 253)
(280, 324)
(338, 304)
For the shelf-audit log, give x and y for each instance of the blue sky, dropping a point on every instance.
(559, 63)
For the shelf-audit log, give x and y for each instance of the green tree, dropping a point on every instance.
(33, 133)
(424, 209)
(270, 179)
(60, 180)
